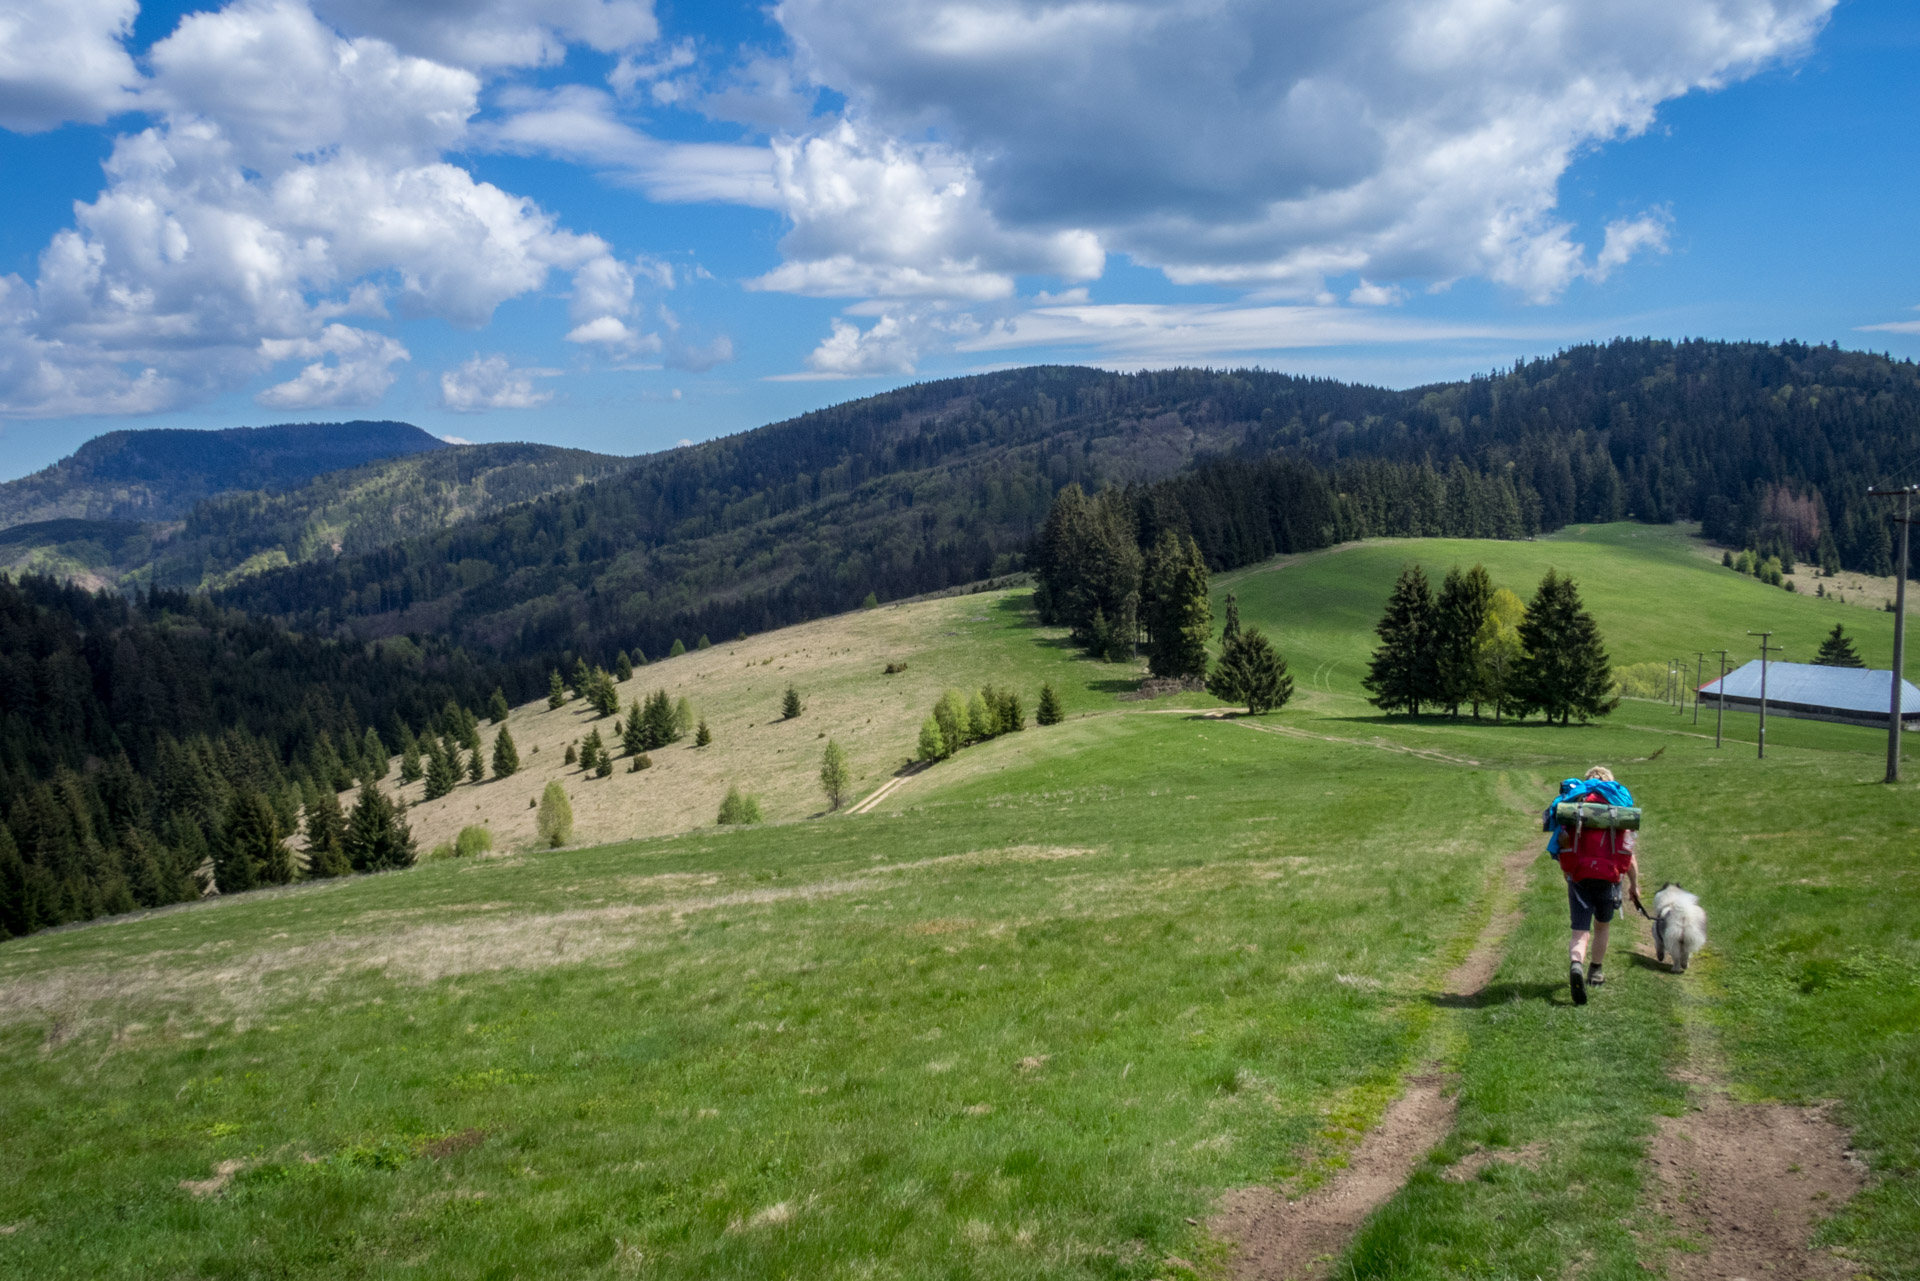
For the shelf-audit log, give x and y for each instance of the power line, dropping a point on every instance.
(1764, 648)
(1905, 521)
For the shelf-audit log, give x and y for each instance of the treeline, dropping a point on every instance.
(150, 743)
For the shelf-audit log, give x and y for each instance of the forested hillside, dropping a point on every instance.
(231, 535)
(137, 735)
(158, 474)
(940, 483)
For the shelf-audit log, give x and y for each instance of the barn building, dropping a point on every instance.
(1807, 691)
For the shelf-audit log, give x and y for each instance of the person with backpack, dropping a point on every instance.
(1593, 821)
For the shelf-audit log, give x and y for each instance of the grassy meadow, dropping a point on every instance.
(1028, 1018)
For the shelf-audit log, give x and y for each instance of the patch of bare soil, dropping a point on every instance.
(1753, 1181)
(1277, 1239)
(222, 1175)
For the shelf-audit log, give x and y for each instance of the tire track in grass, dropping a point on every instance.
(1750, 1181)
(1272, 1237)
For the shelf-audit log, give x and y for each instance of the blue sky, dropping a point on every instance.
(618, 224)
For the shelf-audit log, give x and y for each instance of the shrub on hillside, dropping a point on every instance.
(555, 820)
(738, 808)
(473, 841)
(835, 777)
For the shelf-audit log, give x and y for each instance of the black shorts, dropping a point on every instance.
(1589, 901)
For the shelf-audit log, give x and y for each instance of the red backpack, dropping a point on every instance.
(1594, 854)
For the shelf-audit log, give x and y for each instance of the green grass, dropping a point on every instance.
(1025, 1021)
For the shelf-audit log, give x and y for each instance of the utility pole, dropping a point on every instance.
(1720, 703)
(1699, 670)
(1764, 647)
(1905, 521)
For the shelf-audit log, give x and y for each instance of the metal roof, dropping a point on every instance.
(1855, 694)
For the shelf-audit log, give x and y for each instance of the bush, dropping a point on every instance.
(440, 851)
(739, 809)
(555, 823)
(640, 762)
(473, 841)
(894, 669)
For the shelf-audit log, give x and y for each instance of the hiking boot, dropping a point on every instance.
(1577, 979)
(1594, 977)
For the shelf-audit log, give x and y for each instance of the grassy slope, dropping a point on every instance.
(1025, 1021)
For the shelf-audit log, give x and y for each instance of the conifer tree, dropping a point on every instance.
(634, 737)
(704, 737)
(1231, 628)
(1013, 713)
(1403, 673)
(373, 755)
(443, 770)
(1465, 599)
(476, 760)
(1175, 609)
(592, 751)
(1563, 668)
(1049, 712)
(410, 770)
(377, 837)
(556, 692)
(1837, 650)
(497, 709)
(1251, 671)
(555, 819)
(572, 755)
(506, 757)
(835, 777)
(659, 721)
(326, 834)
(622, 667)
(17, 917)
(790, 704)
(703, 642)
(639, 657)
(580, 677)
(250, 852)
(679, 648)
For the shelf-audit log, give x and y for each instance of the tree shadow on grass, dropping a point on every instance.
(1447, 722)
(1499, 994)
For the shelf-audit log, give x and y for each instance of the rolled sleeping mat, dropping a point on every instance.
(1625, 818)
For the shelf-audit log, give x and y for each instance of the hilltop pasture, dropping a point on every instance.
(1031, 1016)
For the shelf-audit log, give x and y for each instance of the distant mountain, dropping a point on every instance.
(1769, 446)
(156, 475)
(228, 537)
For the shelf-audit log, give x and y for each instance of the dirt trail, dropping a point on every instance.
(1277, 1239)
(887, 789)
(1750, 1180)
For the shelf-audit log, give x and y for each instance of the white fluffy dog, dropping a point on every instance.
(1679, 926)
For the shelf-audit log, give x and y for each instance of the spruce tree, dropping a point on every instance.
(639, 657)
(16, 915)
(326, 834)
(634, 737)
(739, 808)
(1251, 671)
(250, 851)
(506, 757)
(1013, 713)
(580, 677)
(1176, 611)
(835, 777)
(622, 668)
(659, 720)
(679, 648)
(1563, 666)
(592, 751)
(442, 770)
(1403, 674)
(377, 837)
(556, 692)
(703, 642)
(555, 819)
(790, 704)
(374, 761)
(1049, 712)
(704, 737)
(410, 769)
(1231, 628)
(476, 760)
(497, 709)
(1837, 650)
(1465, 599)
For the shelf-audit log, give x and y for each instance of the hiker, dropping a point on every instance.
(1593, 857)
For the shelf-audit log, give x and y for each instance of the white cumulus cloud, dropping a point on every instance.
(350, 367)
(491, 382)
(63, 60)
